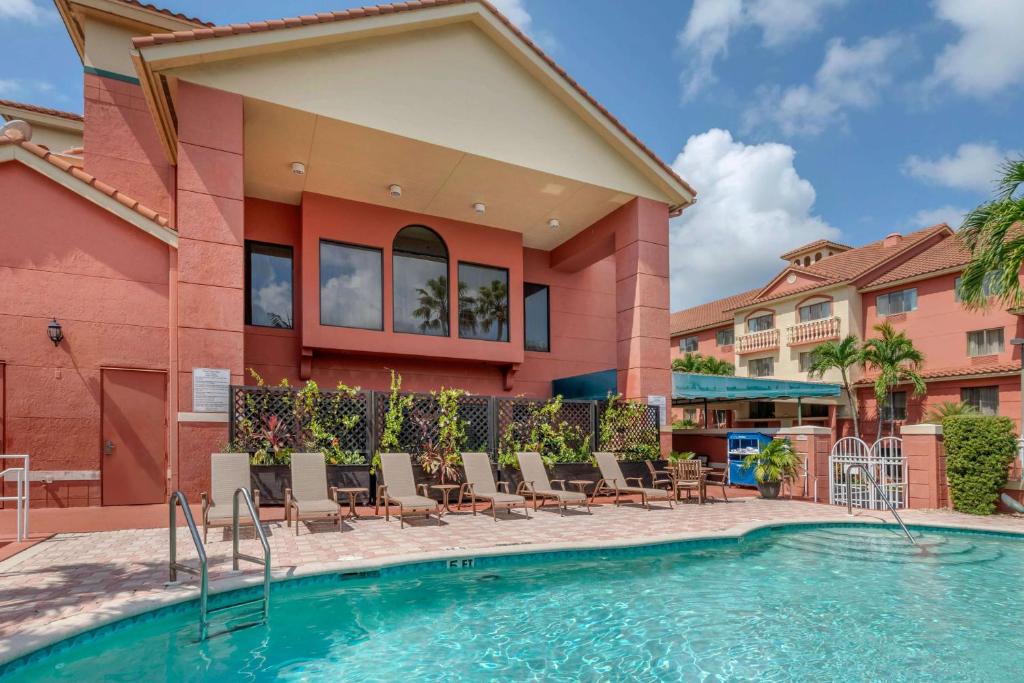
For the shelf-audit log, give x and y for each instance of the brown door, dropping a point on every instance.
(134, 440)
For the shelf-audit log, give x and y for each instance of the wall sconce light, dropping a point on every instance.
(395, 191)
(554, 224)
(54, 332)
(480, 207)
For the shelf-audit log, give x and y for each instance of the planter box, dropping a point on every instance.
(351, 476)
(272, 480)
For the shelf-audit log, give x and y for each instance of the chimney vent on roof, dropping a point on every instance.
(16, 130)
(892, 239)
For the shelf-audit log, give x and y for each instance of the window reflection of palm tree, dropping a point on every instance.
(467, 309)
(492, 308)
(433, 307)
(278, 320)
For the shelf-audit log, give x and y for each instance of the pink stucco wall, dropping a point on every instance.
(707, 345)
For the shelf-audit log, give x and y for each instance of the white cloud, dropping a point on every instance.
(950, 215)
(24, 10)
(849, 77)
(712, 23)
(516, 12)
(752, 206)
(989, 55)
(974, 167)
(9, 87)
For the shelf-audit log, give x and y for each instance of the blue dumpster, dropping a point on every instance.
(742, 444)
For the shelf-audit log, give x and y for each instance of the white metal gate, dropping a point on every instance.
(883, 459)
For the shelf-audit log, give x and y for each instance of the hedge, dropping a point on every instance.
(979, 450)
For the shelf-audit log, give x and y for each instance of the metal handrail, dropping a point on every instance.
(178, 498)
(236, 555)
(20, 499)
(26, 487)
(881, 494)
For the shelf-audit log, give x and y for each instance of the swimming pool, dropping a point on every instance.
(824, 603)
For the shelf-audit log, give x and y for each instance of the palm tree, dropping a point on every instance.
(841, 355)
(714, 366)
(896, 359)
(949, 409)
(492, 307)
(433, 305)
(702, 365)
(992, 233)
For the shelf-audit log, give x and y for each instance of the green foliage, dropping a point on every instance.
(541, 431)
(324, 430)
(946, 409)
(897, 361)
(702, 365)
(617, 422)
(979, 450)
(393, 420)
(678, 456)
(993, 235)
(441, 457)
(774, 463)
(841, 355)
(684, 424)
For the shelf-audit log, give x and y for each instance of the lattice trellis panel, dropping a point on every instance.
(517, 412)
(259, 412)
(644, 430)
(420, 424)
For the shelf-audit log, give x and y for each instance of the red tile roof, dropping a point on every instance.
(813, 245)
(42, 110)
(394, 8)
(13, 136)
(949, 253)
(165, 12)
(962, 371)
(708, 315)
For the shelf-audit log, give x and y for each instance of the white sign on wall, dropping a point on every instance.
(662, 403)
(211, 391)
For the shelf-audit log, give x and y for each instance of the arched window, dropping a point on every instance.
(420, 277)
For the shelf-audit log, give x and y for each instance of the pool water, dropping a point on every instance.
(831, 603)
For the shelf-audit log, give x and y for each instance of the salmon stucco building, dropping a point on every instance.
(415, 186)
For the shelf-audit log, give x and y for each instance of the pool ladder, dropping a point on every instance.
(881, 494)
(178, 498)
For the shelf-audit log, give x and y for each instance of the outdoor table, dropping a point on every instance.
(352, 492)
(446, 490)
(581, 484)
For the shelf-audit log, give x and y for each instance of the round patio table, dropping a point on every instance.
(352, 492)
(446, 490)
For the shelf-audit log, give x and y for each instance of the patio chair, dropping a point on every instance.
(689, 478)
(718, 476)
(535, 483)
(309, 494)
(228, 473)
(480, 485)
(399, 488)
(660, 477)
(612, 481)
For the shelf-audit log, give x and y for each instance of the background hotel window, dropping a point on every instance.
(760, 367)
(762, 410)
(897, 302)
(985, 399)
(816, 311)
(420, 264)
(761, 322)
(720, 418)
(985, 342)
(268, 285)
(988, 285)
(725, 337)
(537, 315)
(806, 358)
(688, 344)
(351, 286)
(483, 302)
(815, 410)
(896, 407)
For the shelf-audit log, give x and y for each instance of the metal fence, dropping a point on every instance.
(883, 459)
(282, 414)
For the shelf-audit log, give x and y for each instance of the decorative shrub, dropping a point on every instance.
(393, 420)
(979, 450)
(556, 440)
(618, 433)
(441, 457)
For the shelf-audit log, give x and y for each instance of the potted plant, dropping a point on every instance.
(774, 463)
(440, 455)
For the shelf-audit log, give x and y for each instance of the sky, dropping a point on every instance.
(794, 120)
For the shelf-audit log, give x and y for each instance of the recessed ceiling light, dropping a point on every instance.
(480, 207)
(395, 191)
(554, 224)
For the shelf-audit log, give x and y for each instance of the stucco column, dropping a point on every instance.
(210, 265)
(925, 454)
(641, 303)
(813, 445)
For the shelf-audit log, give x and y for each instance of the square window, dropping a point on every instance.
(985, 342)
(725, 337)
(984, 399)
(892, 303)
(688, 344)
(761, 323)
(760, 367)
(818, 311)
(483, 302)
(351, 286)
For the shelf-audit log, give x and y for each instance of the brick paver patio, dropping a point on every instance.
(73, 580)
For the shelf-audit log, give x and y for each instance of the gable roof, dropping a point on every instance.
(15, 145)
(947, 254)
(712, 314)
(321, 18)
(849, 266)
(36, 109)
(814, 245)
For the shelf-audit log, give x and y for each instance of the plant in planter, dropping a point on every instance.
(441, 457)
(326, 423)
(774, 463)
(556, 440)
(618, 420)
(393, 420)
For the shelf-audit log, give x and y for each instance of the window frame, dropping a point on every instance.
(508, 303)
(731, 331)
(801, 309)
(447, 275)
(320, 275)
(888, 302)
(547, 324)
(889, 408)
(248, 280)
(759, 317)
(985, 332)
(965, 392)
(800, 360)
(682, 342)
(768, 359)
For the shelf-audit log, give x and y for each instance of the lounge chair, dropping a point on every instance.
(309, 495)
(228, 473)
(399, 488)
(612, 481)
(535, 484)
(480, 485)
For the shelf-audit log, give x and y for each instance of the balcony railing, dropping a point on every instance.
(765, 340)
(813, 331)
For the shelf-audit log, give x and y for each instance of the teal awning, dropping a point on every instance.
(593, 386)
(691, 387)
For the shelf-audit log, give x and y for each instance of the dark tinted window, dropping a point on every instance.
(537, 315)
(350, 286)
(420, 262)
(483, 302)
(268, 290)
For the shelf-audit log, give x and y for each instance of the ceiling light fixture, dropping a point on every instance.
(480, 207)
(298, 168)
(395, 191)
(554, 224)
